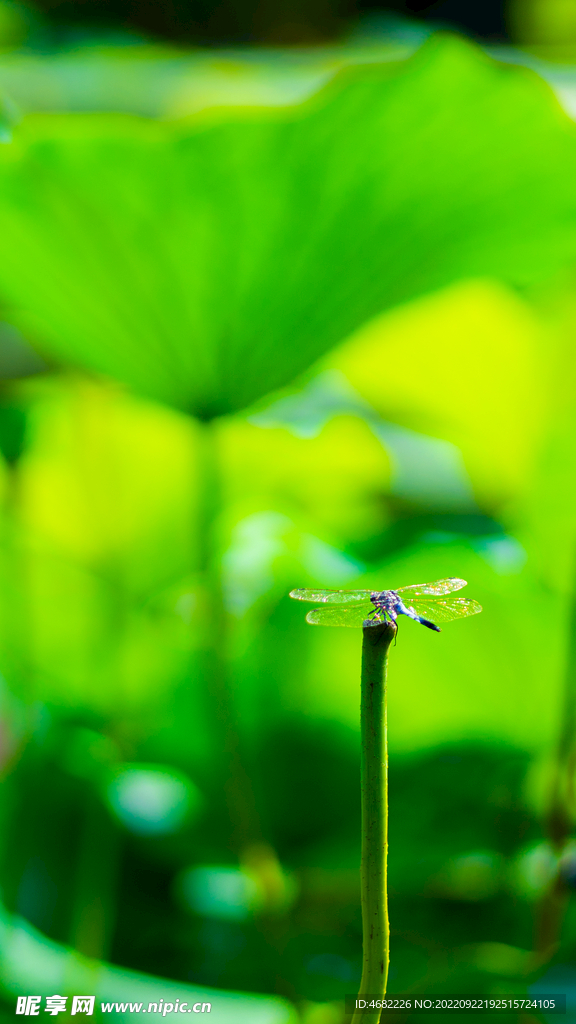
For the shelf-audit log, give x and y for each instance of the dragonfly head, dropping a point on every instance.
(380, 598)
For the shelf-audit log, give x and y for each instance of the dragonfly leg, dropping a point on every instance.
(377, 615)
(378, 612)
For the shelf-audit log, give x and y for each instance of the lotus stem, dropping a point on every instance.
(245, 826)
(377, 637)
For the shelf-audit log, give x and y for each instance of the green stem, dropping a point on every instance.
(377, 638)
(18, 637)
(94, 900)
(245, 827)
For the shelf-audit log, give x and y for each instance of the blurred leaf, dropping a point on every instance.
(498, 958)
(17, 357)
(424, 470)
(206, 263)
(14, 23)
(465, 364)
(28, 960)
(333, 483)
(157, 80)
(547, 516)
(108, 478)
(80, 640)
(7, 117)
(99, 597)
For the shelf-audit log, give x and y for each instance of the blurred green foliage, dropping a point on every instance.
(180, 750)
(208, 263)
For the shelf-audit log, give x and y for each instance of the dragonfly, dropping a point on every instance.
(426, 603)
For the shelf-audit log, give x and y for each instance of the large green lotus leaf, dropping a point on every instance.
(206, 263)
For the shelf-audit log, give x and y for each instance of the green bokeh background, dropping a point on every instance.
(277, 319)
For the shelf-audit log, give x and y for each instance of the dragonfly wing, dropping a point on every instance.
(445, 609)
(332, 596)
(351, 616)
(436, 589)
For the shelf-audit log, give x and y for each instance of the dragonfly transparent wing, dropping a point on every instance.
(332, 596)
(444, 609)
(351, 616)
(436, 589)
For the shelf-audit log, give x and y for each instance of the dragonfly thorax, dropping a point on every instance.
(383, 600)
